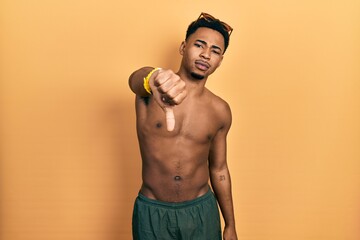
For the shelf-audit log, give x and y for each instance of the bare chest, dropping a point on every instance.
(194, 122)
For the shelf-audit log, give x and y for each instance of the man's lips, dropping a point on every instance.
(202, 65)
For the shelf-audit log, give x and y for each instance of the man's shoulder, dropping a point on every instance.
(221, 110)
(217, 101)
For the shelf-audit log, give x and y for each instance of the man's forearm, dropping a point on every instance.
(136, 81)
(221, 183)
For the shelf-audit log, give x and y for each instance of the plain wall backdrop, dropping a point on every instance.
(70, 165)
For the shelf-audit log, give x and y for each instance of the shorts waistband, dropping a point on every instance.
(176, 205)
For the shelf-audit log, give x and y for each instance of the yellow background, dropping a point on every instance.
(70, 164)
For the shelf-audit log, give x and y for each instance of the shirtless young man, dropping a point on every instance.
(182, 129)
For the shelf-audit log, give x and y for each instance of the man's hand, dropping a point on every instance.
(168, 90)
(230, 233)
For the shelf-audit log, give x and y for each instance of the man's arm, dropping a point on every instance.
(163, 84)
(136, 81)
(167, 88)
(220, 176)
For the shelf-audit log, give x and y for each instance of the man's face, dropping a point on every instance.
(202, 52)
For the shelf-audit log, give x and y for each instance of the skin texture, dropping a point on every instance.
(182, 128)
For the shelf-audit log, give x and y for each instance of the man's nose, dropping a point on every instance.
(206, 53)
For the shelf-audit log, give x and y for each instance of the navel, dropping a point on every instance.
(177, 178)
(158, 125)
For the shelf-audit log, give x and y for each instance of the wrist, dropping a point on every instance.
(146, 83)
(230, 224)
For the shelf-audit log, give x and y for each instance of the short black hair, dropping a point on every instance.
(215, 25)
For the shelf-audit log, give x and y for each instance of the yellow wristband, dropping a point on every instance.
(147, 78)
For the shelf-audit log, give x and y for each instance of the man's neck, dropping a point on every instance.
(193, 85)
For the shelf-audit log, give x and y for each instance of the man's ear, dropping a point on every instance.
(182, 48)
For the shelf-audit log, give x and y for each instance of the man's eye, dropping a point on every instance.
(216, 52)
(197, 45)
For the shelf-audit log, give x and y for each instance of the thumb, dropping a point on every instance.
(170, 118)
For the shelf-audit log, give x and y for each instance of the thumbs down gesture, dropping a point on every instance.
(168, 90)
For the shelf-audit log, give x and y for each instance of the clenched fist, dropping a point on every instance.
(168, 90)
